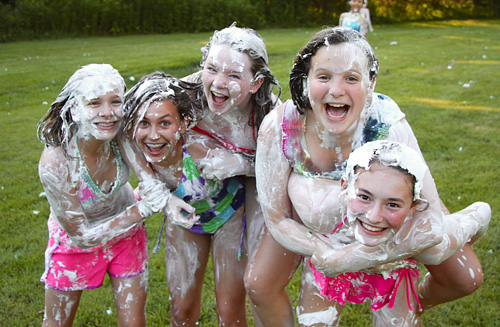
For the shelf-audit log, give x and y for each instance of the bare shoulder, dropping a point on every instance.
(53, 164)
(273, 118)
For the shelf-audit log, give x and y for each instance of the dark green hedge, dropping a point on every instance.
(29, 19)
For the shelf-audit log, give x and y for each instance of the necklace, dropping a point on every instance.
(88, 178)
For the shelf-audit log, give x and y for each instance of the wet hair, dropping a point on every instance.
(378, 161)
(390, 154)
(160, 86)
(57, 127)
(248, 41)
(326, 37)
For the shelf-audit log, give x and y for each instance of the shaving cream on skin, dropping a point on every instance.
(227, 80)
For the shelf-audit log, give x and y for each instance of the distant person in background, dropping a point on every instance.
(354, 18)
(365, 12)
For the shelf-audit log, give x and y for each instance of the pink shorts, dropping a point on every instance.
(71, 269)
(358, 287)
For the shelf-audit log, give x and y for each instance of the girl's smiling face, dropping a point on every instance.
(228, 80)
(99, 117)
(382, 199)
(338, 86)
(158, 131)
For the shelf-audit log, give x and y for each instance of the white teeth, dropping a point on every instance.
(371, 228)
(106, 124)
(154, 146)
(335, 105)
(218, 94)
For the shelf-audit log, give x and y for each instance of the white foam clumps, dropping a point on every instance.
(326, 317)
(240, 39)
(389, 154)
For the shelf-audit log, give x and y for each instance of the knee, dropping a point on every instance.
(470, 285)
(183, 313)
(257, 288)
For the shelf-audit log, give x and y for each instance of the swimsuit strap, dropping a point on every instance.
(88, 178)
(294, 145)
(406, 273)
(228, 145)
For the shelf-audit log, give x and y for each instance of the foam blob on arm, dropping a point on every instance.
(219, 162)
(272, 173)
(154, 194)
(60, 180)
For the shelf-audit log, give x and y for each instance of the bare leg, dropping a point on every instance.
(130, 299)
(229, 271)
(255, 228)
(313, 309)
(255, 224)
(186, 261)
(458, 276)
(266, 277)
(400, 314)
(60, 307)
(461, 274)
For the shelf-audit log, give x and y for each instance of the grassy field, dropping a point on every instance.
(444, 75)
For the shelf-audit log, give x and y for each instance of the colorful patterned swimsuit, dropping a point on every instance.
(215, 201)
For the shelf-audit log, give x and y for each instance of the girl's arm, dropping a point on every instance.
(422, 231)
(215, 161)
(60, 183)
(272, 171)
(154, 194)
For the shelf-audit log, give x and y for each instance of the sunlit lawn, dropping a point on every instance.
(444, 75)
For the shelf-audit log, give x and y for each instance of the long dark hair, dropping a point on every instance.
(328, 36)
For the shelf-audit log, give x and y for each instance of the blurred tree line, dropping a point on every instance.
(31, 19)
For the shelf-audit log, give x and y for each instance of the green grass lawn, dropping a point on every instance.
(444, 75)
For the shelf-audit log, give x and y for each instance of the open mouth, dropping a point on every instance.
(336, 111)
(106, 125)
(218, 98)
(370, 227)
(154, 149)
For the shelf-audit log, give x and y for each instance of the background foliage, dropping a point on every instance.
(443, 75)
(29, 19)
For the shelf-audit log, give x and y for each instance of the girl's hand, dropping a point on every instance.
(221, 164)
(176, 209)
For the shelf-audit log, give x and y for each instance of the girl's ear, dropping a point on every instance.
(420, 205)
(343, 183)
(256, 85)
(183, 126)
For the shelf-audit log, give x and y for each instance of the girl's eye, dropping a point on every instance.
(93, 104)
(363, 197)
(393, 205)
(117, 102)
(143, 123)
(235, 76)
(323, 78)
(165, 123)
(352, 79)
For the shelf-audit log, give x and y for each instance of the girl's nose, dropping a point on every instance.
(107, 110)
(336, 88)
(374, 215)
(153, 134)
(219, 81)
